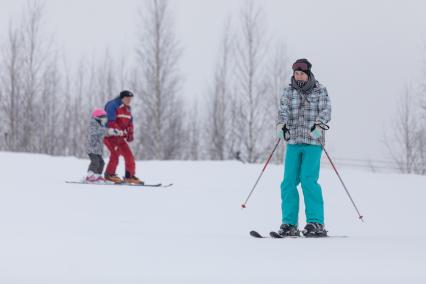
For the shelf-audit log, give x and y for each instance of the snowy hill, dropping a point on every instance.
(196, 232)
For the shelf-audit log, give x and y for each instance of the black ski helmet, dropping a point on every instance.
(126, 93)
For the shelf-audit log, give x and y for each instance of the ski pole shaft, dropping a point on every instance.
(261, 173)
(343, 184)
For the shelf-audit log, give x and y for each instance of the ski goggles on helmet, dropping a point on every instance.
(102, 118)
(302, 66)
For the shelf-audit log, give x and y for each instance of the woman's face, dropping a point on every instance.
(126, 100)
(300, 76)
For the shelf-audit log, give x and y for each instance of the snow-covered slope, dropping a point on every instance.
(196, 232)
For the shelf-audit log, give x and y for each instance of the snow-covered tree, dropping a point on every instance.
(402, 141)
(254, 95)
(160, 108)
(221, 135)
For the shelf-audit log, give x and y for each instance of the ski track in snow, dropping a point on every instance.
(52, 232)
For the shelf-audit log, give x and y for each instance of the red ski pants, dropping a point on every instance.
(117, 148)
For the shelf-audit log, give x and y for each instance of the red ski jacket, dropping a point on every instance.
(120, 117)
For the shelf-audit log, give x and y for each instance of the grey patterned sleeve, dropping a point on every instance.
(98, 130)
(283, 111)
(103, 131)
(324, 107)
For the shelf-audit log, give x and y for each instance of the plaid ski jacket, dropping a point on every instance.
(299, 112)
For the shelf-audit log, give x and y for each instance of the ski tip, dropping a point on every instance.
(255, 234)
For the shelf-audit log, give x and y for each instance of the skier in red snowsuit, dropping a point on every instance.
(120, 117)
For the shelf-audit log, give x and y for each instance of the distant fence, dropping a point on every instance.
(371, 165)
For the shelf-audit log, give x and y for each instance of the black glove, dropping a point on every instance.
(283, 132)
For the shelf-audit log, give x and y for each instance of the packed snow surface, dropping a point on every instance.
(196, 231)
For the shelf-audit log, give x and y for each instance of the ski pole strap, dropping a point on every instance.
(323, 126)
(286, 132)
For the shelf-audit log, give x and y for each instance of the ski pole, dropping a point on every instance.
(341, 181)
(261, 173)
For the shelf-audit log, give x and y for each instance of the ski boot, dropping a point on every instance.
(100, 179)
(91, 177)
(287, 230)
(132, 179)
(314, 230)
(113, 178)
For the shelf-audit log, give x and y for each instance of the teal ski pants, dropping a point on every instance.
(302, 165)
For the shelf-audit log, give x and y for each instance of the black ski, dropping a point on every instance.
(275, 235)
(255, 234)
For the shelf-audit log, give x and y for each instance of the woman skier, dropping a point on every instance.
(304, 112)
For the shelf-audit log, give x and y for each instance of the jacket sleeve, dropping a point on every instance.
(283, 109)
(130, 127)
(324, 106)
(97, 130)
(129, 136)
(102, 131)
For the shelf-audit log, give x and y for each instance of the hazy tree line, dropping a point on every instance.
(45, 103)
(405, 137)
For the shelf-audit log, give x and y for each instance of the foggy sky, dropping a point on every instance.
(365, 52)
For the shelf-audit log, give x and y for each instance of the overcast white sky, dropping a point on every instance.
(363, 51)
